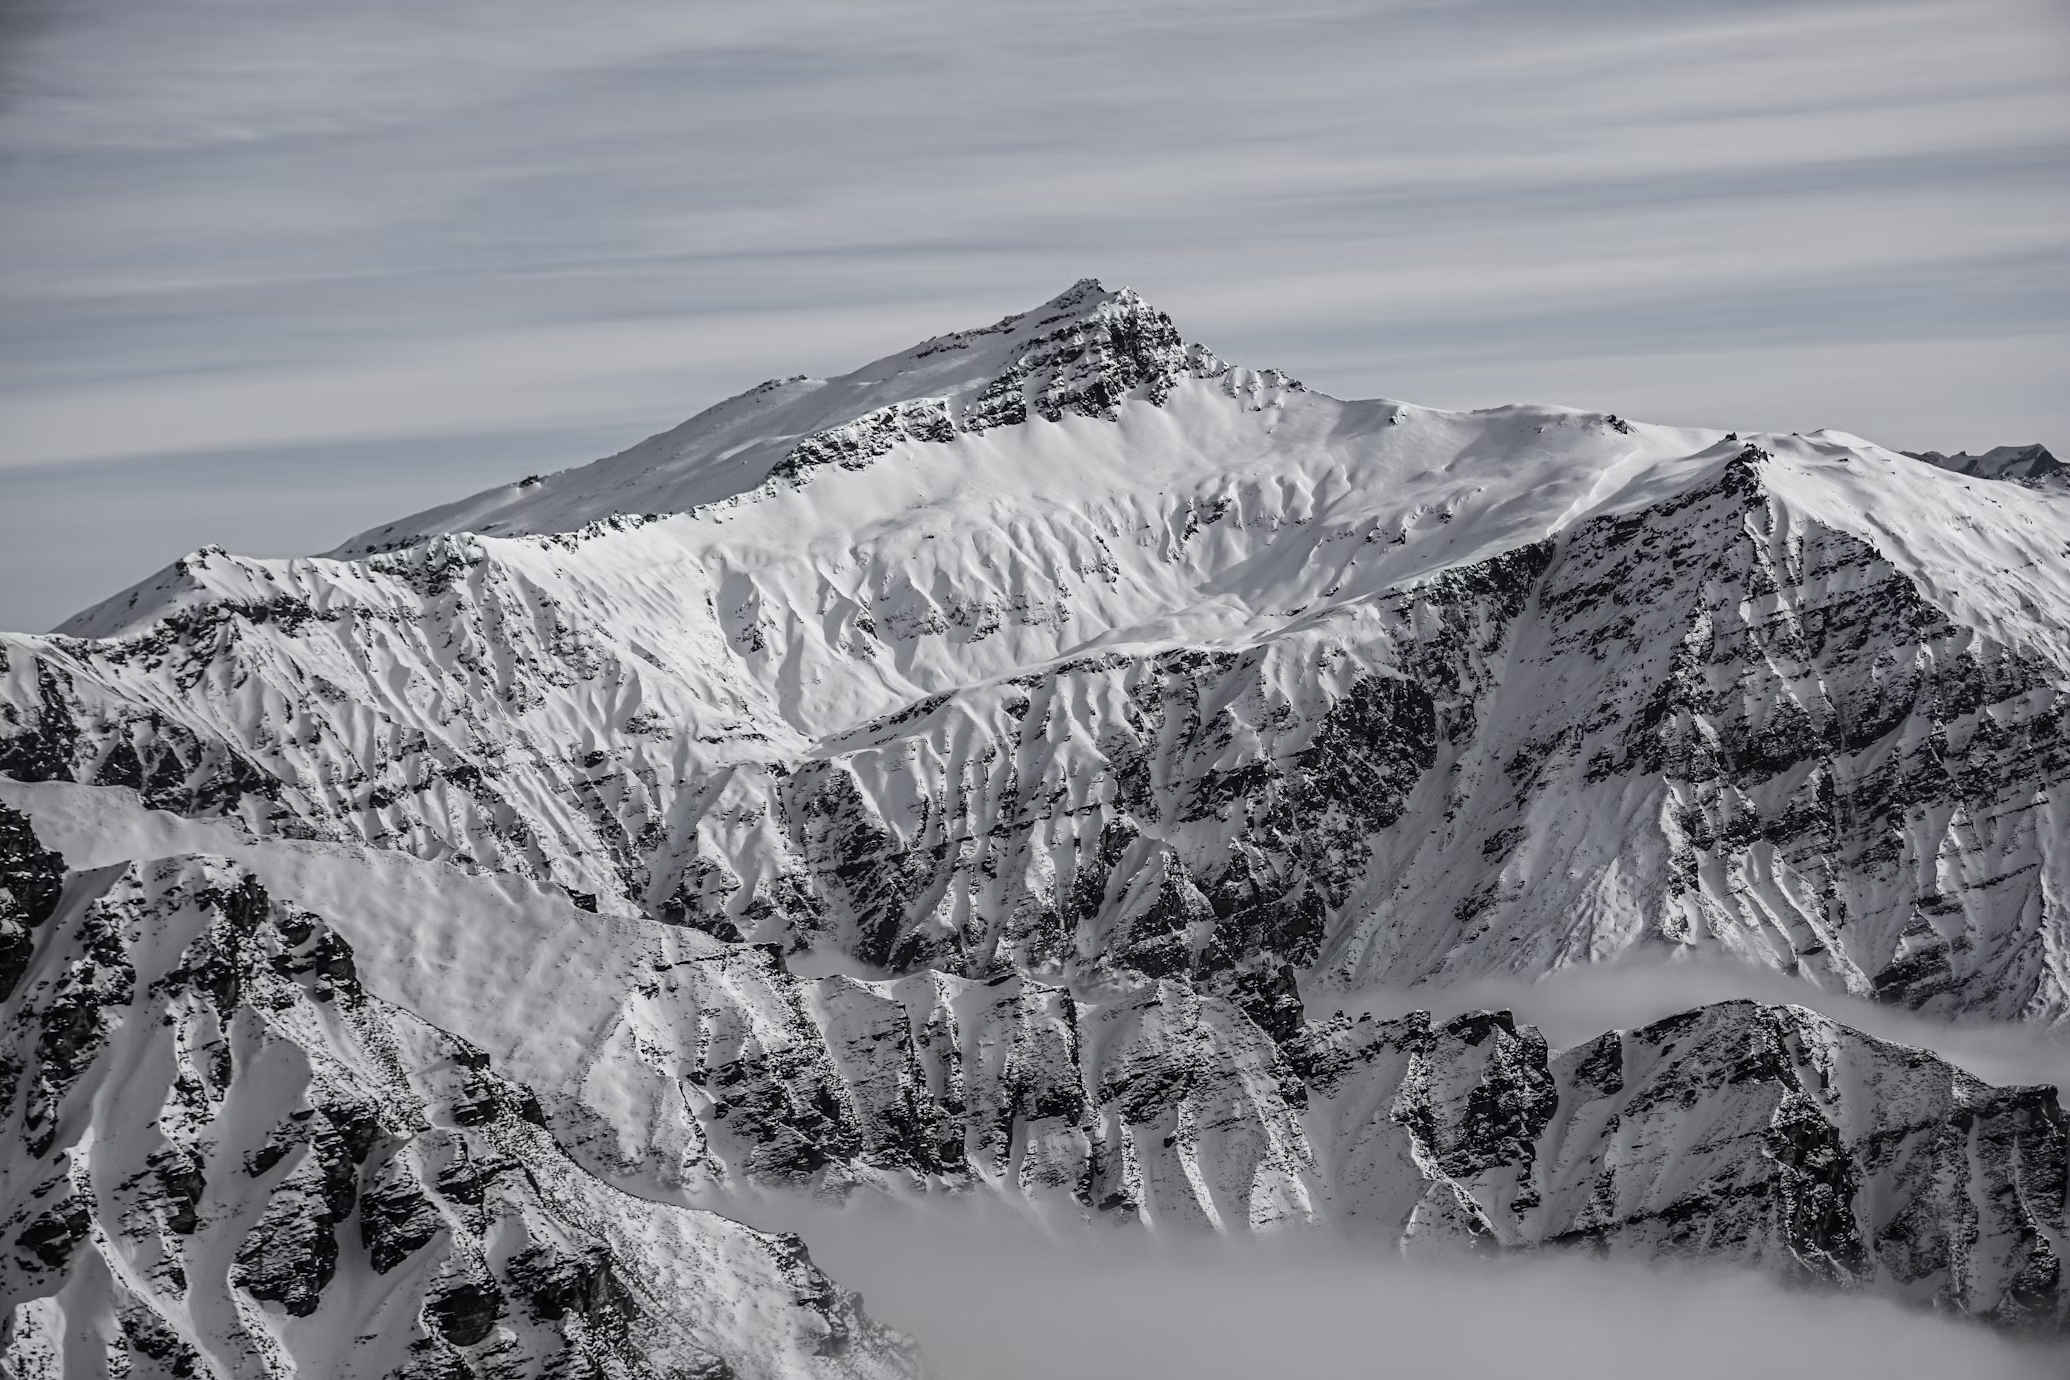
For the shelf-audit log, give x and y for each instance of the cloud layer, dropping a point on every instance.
(993, 1293)
(247, 234)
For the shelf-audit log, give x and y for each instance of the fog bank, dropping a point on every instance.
(991, 1293)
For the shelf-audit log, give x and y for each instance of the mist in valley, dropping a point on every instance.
(992, 1292)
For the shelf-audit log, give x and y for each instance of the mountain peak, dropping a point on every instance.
(1083, 352)
(1087, 295)
(1087, 304)
(1084, 290)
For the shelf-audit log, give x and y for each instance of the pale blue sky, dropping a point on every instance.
(277, 271)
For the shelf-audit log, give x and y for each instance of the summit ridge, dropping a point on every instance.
(1081, 352)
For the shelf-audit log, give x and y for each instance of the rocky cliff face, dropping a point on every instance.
(232, 1160)
(237, 1154)
(1103, 711)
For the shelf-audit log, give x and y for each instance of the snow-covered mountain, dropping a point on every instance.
(989, 770)
(2031, 465)
(214, 1103)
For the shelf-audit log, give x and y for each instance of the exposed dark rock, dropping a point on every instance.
(31, 879)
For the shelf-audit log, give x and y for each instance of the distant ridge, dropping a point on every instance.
(2031, 465)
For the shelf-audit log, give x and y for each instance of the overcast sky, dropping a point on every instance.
(276, 271)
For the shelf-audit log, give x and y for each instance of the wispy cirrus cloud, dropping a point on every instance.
(271, 229)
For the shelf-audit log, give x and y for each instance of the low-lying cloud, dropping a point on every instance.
(995, 1294)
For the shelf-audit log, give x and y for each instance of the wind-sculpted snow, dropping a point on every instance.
(241, 1164)
(1091, 715)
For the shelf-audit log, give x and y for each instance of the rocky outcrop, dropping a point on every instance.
(1760, 1135)
(242, 1164)
(31, 879)
(1083, 353)
(288, 1147)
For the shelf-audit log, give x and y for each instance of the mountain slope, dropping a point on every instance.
(984, 772)
(1587, 685)
(240, 1163)
(1081, 353)
(676, 1066)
